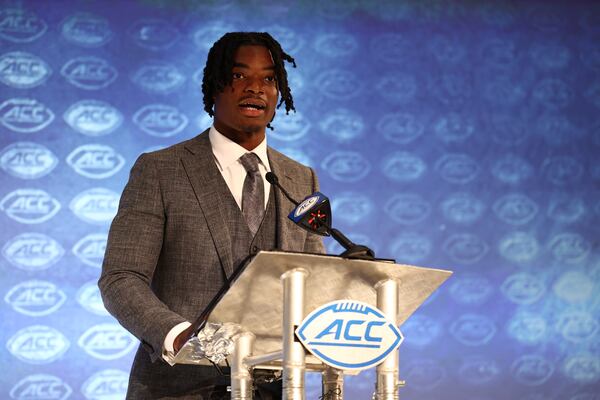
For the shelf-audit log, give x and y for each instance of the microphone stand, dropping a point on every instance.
(353, 250)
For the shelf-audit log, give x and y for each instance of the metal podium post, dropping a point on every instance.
(386, 387)
(294, 363)
(241, 373)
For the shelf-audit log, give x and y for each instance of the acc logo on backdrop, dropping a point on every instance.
(93, 117)
(35, 298)
(336, 44)
(512, 169)
(352, 207)
(95, 161)
(531, 370)
(89, 298)
(290, 127)
(106, 384)
(466, 248)
(346, 166)
(523, 288)
(160, 120)
(515, 209)
(27, 160)
(457, 168)
(20, 26)
(86, 30)
(569, 247)
(473, 329)
(397, 87)
(400, 128)
(471, 289)
(32, 251)
(90, 249)
(574, 287)
(38, 344)
(339, 84)
(107, 341)
(349, 334)
(158, 77)
(23, 70)
(462, 208)
(577, 326)
(289, 39)
(424, 374)
(25, 115)
(407, 208)
(343, 125)
(403, 166)
(582, 368)
(477, 370)
(454, 127)
(29, 206)
(41, 387)
(562, 170)
(421, 330)
(519, 247)
(90, 73)
(410, 247)
(527, 328)
(210, 33)
(153, 34)
(96, 205)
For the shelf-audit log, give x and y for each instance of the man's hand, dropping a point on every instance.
(182, 338)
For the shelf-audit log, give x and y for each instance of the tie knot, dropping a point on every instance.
(250, 162)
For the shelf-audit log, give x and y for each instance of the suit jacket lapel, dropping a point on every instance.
(200, 168)
(287, 231)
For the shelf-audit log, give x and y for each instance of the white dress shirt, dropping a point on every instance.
(227, 154)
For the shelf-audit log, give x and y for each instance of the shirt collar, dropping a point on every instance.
(227, 152)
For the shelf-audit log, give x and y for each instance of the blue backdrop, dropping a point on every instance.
(453, 134)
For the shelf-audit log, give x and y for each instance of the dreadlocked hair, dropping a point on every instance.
(219, 64)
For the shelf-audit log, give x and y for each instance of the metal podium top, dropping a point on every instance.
(255, 299)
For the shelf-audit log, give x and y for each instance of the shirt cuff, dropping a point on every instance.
(168, 353)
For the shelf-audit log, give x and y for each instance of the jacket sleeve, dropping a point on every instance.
(133, 248)
(314, 243)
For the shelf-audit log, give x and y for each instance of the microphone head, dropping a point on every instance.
(313, 214)
(272, 178)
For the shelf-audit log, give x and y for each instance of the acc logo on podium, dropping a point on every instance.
(349, 335)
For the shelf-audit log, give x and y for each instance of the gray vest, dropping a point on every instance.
(242, 242)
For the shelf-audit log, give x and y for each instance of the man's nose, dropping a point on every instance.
(254, 85)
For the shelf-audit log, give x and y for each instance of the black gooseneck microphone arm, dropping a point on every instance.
(353, 250)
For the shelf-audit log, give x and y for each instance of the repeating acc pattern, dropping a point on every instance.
(460, 135)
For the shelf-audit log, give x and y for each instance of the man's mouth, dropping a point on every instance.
(252, 107)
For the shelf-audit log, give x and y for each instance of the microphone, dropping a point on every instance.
(314, 215)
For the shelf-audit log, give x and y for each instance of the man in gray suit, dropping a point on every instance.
(192, 213)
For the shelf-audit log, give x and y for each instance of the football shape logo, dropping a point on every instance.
(349, 335)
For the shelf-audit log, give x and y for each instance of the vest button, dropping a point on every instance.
(254, 249)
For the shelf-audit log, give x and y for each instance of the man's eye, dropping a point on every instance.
(237, 75)
(270, 79)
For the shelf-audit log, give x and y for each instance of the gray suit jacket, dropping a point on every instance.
(169, 249)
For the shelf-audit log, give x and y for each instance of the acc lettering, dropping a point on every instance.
(25, 115)
(25, 67)
(160, 120)
(35, 298)
(17, 25)
(100, 71)
(41, 386)
(106, 384)
(336, 327)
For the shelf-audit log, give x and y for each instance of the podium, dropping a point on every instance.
(272, 294)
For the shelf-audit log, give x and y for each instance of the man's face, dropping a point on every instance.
(248, 104)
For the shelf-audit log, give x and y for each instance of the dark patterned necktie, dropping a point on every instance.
(253, 193)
